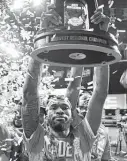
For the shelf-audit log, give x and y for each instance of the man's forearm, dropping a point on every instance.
(95, 107)
(74, 86)
(32, 78)
(30, 110)
(101, 80)
(30, 90)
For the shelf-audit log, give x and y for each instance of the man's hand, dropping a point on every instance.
(101, 19)
(50, 19)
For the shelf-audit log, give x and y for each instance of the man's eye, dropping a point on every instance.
(54, 107)
(64, 107)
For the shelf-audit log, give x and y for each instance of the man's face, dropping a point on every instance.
(59, 115)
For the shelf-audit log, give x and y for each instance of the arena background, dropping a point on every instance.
(19, 22)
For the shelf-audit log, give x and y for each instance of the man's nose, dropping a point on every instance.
(59, 111)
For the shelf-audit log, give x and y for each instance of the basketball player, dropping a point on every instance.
(66, 137)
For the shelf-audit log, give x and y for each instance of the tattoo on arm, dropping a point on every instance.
(30, 116)
(30, 110)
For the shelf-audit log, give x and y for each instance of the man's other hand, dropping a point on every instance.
(101, 19)
(50, 19)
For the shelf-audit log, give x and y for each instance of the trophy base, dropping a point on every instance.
(75, 48)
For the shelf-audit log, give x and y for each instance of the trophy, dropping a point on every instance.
(76, 42)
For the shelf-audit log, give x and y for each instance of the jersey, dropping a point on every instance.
(75, 147)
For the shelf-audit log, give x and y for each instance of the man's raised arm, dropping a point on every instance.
(73, 92)
(30, 109)
(74, 86)
(95, 107)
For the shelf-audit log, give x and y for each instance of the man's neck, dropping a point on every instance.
(62, 134)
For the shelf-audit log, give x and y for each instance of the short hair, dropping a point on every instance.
(52, 98)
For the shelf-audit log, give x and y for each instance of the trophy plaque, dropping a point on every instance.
(77, 42)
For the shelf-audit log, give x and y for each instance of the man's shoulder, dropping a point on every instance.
(86, 130)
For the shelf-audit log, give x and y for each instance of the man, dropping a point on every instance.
(66, 137)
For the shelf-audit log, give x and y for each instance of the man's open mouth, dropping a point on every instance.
(60, 118)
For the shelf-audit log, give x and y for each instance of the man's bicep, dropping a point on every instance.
(87, 133)
(30, 115)
(94, 113)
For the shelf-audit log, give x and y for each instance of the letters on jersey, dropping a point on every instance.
(60, 150)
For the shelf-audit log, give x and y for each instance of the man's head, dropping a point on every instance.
(59, 115)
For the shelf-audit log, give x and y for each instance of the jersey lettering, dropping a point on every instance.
(62, 149)
(65, 150)
(69, 150)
